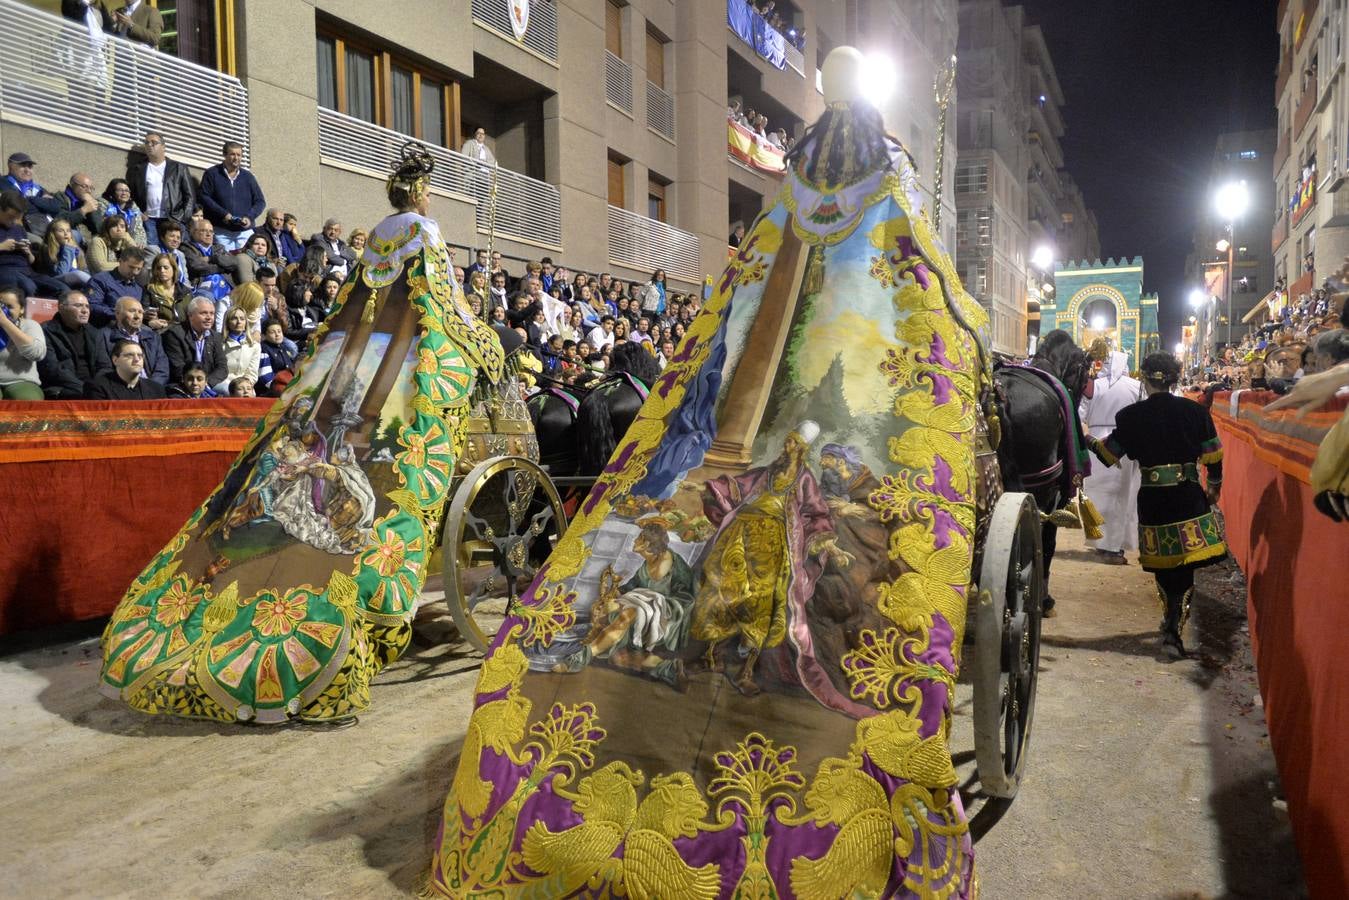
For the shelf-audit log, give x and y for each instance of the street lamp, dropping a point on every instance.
(1180, 348)
(1197, 298)
(1231, 202)
(1043, 257)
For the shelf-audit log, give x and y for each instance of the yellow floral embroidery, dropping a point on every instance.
(280, 615)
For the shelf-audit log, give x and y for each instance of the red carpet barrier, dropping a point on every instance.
(1297, 565)
(90, 491)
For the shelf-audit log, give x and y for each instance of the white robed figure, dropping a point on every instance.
(1114, 489)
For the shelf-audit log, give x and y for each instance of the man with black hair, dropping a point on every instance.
(1170, 437)
(106, 288)
(127, 380)
(16, 251)
(161, 187)
(232, 198)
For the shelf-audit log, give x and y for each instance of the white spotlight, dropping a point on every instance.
(1098, 323)
(877, 79)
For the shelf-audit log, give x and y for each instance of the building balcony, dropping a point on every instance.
(129, 89)
(1285, 73)
(1281, 151)
(660, 111)
(645, 244)
(1306, 105)
(539, 38)
(1303, 25)
(618, 83)
(1280, 233)
(752, 151)
(770, 44)
(506, 203)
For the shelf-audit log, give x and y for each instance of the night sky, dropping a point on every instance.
(1148, 87)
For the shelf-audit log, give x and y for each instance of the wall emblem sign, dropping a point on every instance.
(519, 18)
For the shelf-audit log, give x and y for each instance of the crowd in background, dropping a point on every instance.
(167, 285)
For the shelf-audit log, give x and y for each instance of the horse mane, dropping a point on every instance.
(1059, 355)
(637, 361)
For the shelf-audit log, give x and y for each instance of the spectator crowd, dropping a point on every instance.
(165, 285)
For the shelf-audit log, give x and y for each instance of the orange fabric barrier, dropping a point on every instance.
(90, 491)
(1298, 603)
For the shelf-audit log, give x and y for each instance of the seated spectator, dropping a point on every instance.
(666, 354)
(498, 316)
(211, 266)
(127, 380)
(274, 309)
(165, 297)
(622, 331)
(326, 297)
(642, 332)
(59, 256)
(337, 256)
(480, 264)
(195, 341)
(242, 351)
(41, 207)
(261, 251)
(79, 207)
(193, 385)
(16, 252)
(22, 347)
(276, 365)
(286, 241)
(498, 290)
(357, 243)
(130, 326)
(75, 352)
(117, 201)
(737, 234)
(106, 288)
(231, 198)
(602, 335)
(242, 387)
(162, 188)
(171, 242)
(111, 239)
(252, 299)
(574, 328)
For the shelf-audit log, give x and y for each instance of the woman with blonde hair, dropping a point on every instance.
(243, 353)
(249, 298)
(478, 287)
(166, 296)
(61, 257)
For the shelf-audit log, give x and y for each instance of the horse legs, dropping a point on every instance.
(1049, 537)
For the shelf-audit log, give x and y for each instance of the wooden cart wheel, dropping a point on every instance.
(1007, 644)
(504, 520)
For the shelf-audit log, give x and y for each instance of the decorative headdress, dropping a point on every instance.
(807, 431)
(412, 170)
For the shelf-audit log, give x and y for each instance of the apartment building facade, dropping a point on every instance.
(607, 118)
(1310, 232)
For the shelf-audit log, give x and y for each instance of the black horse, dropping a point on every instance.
(579, 428)
(1035, 431)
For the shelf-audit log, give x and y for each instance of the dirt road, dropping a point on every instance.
(1146, 779)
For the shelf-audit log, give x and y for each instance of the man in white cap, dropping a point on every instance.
(774, 535)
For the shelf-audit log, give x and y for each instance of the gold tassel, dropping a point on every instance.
(368, 317)
(1092, 520)
(815, 270)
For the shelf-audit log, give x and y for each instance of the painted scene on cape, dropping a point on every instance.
(736, 669)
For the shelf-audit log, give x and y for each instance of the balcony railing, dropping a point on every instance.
(769, 43)
(540, 36)
(112, 91)
(795, 58)
(1280, 232)
(618, 82)
(1305, 106)
(1281, 151)
(646, 245)
(660, 111)
(526, 209)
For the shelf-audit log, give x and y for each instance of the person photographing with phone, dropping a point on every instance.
(140, 22)
(16, 252)
(22, 346)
